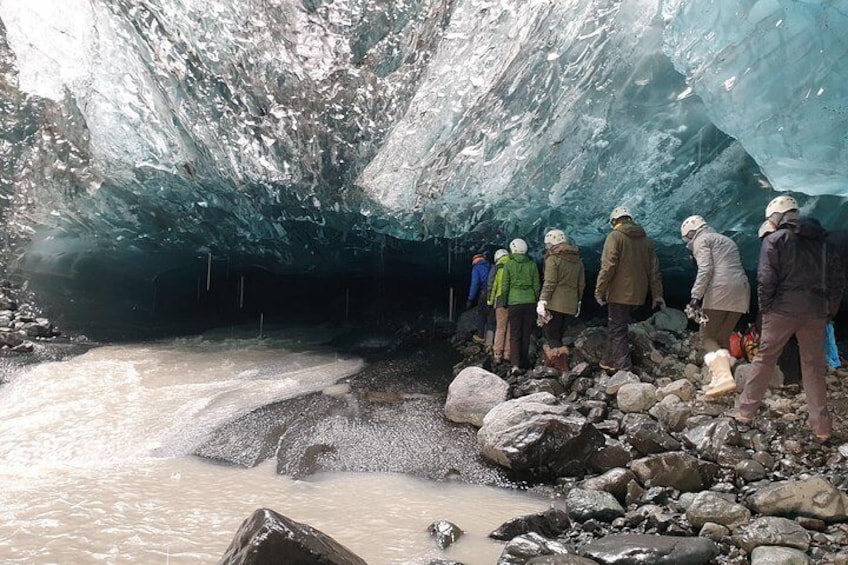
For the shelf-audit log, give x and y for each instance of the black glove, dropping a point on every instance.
(469, 305)
(695, 303)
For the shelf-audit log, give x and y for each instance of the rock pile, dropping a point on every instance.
(20, 323)
(649, 472)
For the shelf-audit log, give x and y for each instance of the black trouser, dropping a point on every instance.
(555, 328)
(618, 344)
(522, 317)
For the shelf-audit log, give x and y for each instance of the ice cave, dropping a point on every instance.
(163, 157)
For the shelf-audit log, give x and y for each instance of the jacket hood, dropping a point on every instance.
(503, 259)
(479, 258)
(808, 228)
(690, 244)
(519, 257)
(565, 250)
(630, 229)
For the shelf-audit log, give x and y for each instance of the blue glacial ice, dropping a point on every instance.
(305, 135)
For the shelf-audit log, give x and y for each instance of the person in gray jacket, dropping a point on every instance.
(721, 288)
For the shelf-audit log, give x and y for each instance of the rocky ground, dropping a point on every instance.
(645, 470)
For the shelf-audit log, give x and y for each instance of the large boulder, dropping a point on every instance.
(536, 435)
(528, 546)
(635, 549)
(269, 538)
(772, 530)
(472, 394)
(550, 523)
(585, 504)
(814, 497)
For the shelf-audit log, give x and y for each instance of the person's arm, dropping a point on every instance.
(767, 273)
(505, 282)
(704, 259)
(609, 262)
(475, 282)
(549, 282)
(835, 280)
(534, 274)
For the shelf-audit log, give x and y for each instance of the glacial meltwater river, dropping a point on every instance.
(95, 463)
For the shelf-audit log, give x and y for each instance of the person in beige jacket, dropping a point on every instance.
(722, 289)
(562, 292)
(629, 271)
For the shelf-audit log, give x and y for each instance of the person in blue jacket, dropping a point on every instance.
(477, 295)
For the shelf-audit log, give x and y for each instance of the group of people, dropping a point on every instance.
(801, 276)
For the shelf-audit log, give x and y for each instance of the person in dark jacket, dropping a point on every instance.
(562, 291)
(477, 295)
(521, 289)
(629, 271)
(800, 283)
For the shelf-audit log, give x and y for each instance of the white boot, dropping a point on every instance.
(722, 381)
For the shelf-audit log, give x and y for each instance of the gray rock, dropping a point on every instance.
(614, 481)
(445, 532)
(534, 434)
(814, 497)
(675, 469)
(771, 530)
(591, 344)
(715, 532)
(750, 470)
(528, 546)
(632, 549)
(636, 397)
(610, 456)
(671, 320)
(561, 560)
(671, 412)
(681, 388)
(767, 555)
(472, 394)
(712, 507)
(533, 386)
(621, 378)
(585, 504)
(269, 538)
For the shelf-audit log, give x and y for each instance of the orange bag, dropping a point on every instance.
(736, 347)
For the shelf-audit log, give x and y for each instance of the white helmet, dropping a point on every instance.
(765, 228)
(692, 223)
(518, 246)
(619, 212)
(500, 254)
(781, 205)
(555, 237)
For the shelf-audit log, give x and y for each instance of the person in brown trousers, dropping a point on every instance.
(800, 283)
(629, 271)
(562, 290)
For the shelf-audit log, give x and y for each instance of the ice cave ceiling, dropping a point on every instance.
(307, 135)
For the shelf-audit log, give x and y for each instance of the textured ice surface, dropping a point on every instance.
(298, 134)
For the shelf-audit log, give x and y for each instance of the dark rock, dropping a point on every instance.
(591, 344)
(633, 549)
(532, 386)
(9, 339)
(614, 481)
(585, 504)
(269, 538)
(646, 436)
(445, 532)
(561, 560)
(550, 523)
(610, 457)
(535, 436)
(709, 439)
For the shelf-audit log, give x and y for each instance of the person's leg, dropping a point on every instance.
(515, 326)
(811, 334)
(776, 332)
(554, 329)
(481, 317)
(618, 344)
(715, 334)
(528, 321)
(501, 334)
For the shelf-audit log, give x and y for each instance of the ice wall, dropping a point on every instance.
(309, 135)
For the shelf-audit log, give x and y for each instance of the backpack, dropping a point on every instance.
(750, 342)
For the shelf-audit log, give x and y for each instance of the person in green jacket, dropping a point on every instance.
(497, 300)
(521, 288)
(630, 271)
(562, 292)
